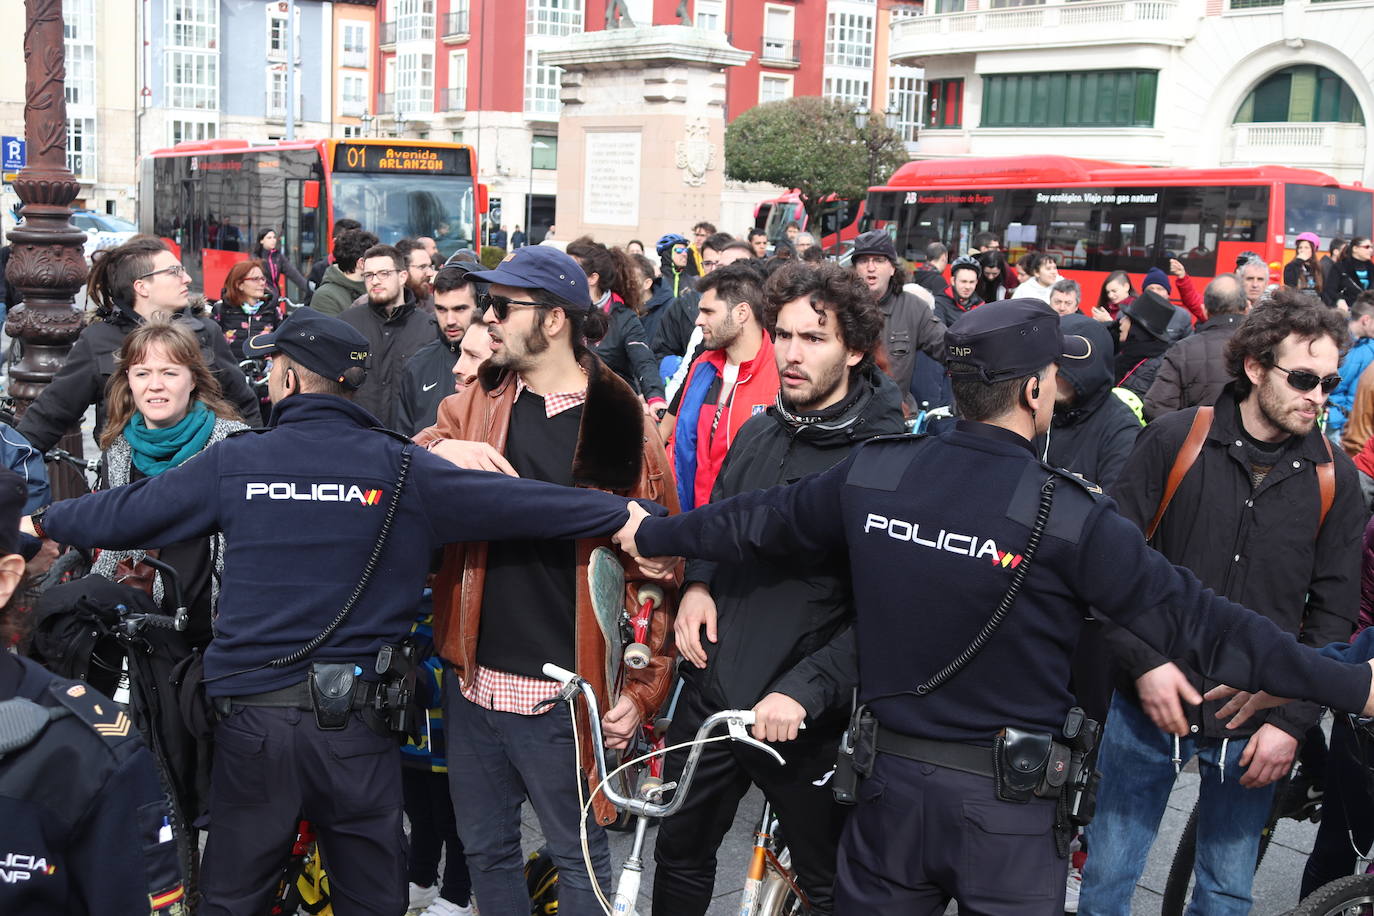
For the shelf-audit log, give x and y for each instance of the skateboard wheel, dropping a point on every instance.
(651, 593)
(637, 655)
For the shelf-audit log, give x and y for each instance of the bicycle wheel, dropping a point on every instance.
(1179, 886)
(1350, 896)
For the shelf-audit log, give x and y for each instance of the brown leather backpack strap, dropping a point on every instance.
(1326, 483)
(1183, 462)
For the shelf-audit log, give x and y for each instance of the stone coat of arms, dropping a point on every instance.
(695, 155)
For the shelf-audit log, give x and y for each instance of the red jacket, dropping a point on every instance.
(756, 389)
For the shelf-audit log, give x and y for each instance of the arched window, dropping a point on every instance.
(1301, 94)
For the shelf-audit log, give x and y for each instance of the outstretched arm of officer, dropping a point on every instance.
(1170, 610)
(1244, 703)
(791, 520)
(467, 505)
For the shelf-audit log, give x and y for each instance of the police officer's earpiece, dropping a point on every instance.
(1034, 393)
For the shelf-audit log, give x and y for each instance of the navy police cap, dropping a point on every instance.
(1004, 340)
(320, 343)
(542, 267)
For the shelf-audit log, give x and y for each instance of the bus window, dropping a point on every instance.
(922, 224)
(1192, 226)
(393, 207)
(1247, 214)
(1329, 212)
(761, 218)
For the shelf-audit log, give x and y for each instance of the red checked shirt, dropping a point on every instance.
(501, 691)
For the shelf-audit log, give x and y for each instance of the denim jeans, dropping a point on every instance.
(495, 761)
(1136, 761)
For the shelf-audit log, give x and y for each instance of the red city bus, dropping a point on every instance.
(773, 216)
(211, 199)
(1097, 217)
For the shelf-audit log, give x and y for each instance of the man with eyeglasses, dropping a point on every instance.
(394, 326)
(544, 407)
(1267, 515)
(128, 283)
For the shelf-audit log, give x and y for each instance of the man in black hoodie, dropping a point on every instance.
(777, 637)
(128, 284)
(428, 374)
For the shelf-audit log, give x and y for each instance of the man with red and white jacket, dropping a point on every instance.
(733, 379)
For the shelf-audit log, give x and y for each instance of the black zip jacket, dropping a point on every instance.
(392, 340)
(932, 526)
(675, 325)
(949, 309)
(625, 350)
(81, 380)
(428, 380)
(773, 615)
(1344, 283)
(1260, 548)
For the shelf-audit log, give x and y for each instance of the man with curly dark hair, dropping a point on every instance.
(776, 636)
(1268, 516)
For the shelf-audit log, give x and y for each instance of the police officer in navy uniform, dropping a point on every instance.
(973, 565)
(325, 516)
(84, 825)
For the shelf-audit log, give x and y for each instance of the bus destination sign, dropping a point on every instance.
(367, 157)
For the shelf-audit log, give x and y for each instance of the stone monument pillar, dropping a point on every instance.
(641, 137)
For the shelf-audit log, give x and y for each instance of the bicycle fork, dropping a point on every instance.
(758, 864)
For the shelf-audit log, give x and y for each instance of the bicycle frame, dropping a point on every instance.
(651, 804)
(764, 857)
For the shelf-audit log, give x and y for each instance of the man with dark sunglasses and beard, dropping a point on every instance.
(543, 406)
(1265, 514)
(777, 636)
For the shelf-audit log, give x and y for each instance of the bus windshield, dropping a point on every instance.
(393, 207)
(1329, 212)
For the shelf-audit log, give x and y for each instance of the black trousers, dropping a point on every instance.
(273, 766)
(922, 835)
(1347, 810)
(809, 819)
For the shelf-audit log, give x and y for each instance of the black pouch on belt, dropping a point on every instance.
(858, 748)
(331, 693)
(1020, 759)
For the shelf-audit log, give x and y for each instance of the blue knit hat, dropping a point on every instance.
(1155, 275)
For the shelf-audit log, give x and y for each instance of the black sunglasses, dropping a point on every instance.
(501, 305)
(1306, 381)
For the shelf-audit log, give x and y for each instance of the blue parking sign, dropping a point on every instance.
(14, 152)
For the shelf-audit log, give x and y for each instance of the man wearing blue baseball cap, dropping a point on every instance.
(329, 524)
(974, 566)
(544, 406)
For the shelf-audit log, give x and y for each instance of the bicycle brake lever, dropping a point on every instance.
(738, 729)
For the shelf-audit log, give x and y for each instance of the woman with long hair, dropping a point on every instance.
(267, 250)
(164, 407)
(1117, 293)
(128, 283)
(1354, 273)
(614, 283)
(992, 281)
(1303, 273)
(247, 306)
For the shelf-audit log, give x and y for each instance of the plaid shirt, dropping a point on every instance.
(501, 691)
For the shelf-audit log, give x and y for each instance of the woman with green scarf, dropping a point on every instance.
(163, 408)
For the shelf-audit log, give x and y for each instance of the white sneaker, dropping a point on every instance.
(442, 907)
(421, 897)
(1075, 884)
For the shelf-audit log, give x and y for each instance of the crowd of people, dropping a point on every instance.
(500, 423)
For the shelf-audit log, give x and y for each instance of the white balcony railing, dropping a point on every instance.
(1065, 22)
(1331, 147)
(353, 108)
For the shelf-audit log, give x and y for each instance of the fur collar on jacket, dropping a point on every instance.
(610, 442)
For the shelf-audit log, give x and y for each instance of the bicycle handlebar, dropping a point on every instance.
(91, 465)
(735, 720)
(133, 622)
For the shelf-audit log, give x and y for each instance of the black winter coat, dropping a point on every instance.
(1093, 436)
(428, 380)
(1344, 283)
(1258, 547)
(625, 349)
(81, 380)
(776, 621)
(392, 340)
(678, 319)
(949, 310)
(1193, 371)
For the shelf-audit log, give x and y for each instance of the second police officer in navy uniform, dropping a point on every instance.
(973, 566)
(329, 524)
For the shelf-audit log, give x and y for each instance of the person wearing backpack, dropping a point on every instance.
(1250, 496)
